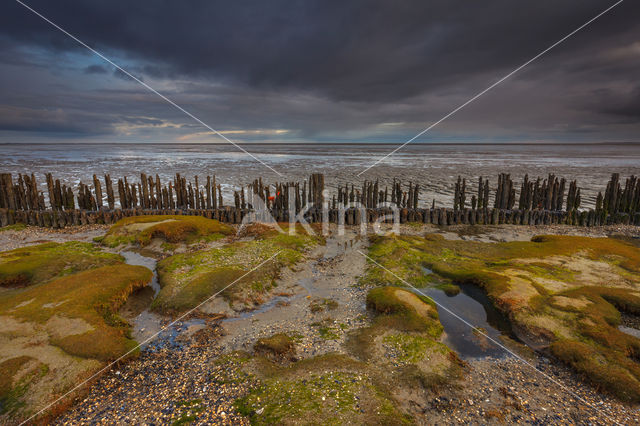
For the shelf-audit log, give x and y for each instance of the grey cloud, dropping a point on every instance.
(326, 69)
(95, 69)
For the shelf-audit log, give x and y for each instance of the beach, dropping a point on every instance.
(188, 371)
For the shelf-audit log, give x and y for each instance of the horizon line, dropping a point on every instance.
(332, 143)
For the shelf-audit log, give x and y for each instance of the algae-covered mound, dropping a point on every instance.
(328, 389)
(40, 263)
(279, 346)
(405, 310)
(171, 228)
(560, 292)
(398, 355)
(54, 334)
(405, 340)
(188, 279)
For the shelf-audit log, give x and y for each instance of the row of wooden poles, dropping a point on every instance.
(340, 215)
(547, 194)
(183, 196)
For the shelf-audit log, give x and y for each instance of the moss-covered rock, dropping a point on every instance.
(44, 262)
(280, 346)
(170, 228)
(405, 340)
(561, 292)
(57, 332)
(405, 310)
(188, 279)
(80, 311)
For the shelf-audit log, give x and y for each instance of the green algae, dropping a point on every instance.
(320, 305)
(328, 389)
(279, 345)
(14, 227)
(172, 229)
(44, 262)
(412, 348)
(236, 271)
(327, 330)
(551, 288)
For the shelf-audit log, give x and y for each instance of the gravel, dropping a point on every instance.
(172, 380)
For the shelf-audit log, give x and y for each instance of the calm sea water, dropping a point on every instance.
(435, 167)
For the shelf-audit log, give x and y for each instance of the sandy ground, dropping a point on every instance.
(329, 275)
(10, 239)
(181, 365)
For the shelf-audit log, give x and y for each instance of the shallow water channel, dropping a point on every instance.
(471, 305)
(146, 324)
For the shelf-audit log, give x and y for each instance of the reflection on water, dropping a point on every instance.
(136, 309)
(472, 305)
(146, 324)
(275, 301)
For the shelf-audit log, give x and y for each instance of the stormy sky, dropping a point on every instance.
(319, 71)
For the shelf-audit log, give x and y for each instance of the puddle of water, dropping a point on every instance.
(333, 249)
(473, 306)
(263, 308)
(168, 339)
(138, 302)
(147, 324)
(307, 283)
(338, 245)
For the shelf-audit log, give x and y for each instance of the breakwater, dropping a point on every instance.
(550, 200)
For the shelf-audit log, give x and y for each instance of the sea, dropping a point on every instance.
(435, 167)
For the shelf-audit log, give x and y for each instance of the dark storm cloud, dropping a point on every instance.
(72, 123)
(626, 106)
(311, 66)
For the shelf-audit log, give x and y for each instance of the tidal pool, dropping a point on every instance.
(474, 307)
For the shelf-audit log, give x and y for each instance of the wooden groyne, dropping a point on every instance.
(540, 201)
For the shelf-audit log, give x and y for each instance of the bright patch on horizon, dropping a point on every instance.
(250, 132)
